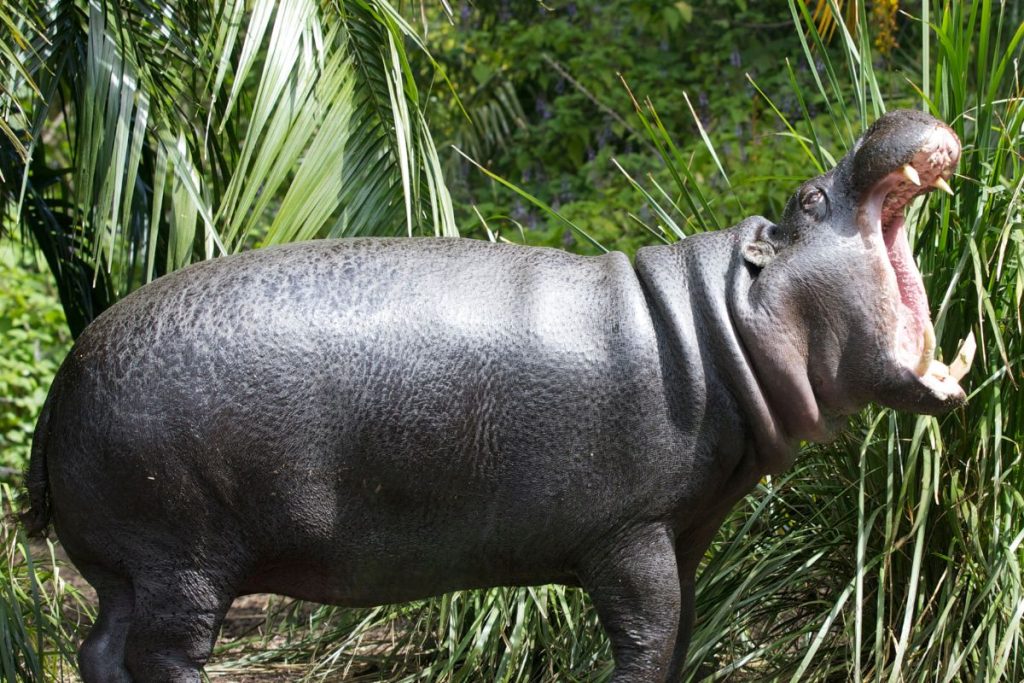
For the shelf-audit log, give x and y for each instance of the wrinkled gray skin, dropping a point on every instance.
(370, 421)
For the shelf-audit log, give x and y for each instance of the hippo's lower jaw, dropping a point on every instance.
(921, 382)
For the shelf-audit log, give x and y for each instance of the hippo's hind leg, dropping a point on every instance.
(635, 589)
(176, 617)
(101, 656)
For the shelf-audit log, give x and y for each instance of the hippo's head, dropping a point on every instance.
(836, 315)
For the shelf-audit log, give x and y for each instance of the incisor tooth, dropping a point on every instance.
(910, 173)
(927, 351)
(964, 357)
(941, 183)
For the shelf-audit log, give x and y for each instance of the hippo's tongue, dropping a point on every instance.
(915, 341)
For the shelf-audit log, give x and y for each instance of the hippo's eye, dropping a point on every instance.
(814, 202)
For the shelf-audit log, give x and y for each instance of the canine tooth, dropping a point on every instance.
(928, 351)
(964, 357)
(941, 183)
(910, 173)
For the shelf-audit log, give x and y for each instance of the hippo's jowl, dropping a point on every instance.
(370, 421)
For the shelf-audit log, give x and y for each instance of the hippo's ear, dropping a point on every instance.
(758, 253)
(760, 247)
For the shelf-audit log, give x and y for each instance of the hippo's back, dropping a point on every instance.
(314, 319)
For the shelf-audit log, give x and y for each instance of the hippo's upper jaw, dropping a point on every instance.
(836, 315)
(904, 155)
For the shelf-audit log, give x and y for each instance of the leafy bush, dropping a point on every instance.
(544, 87)
(33, 340)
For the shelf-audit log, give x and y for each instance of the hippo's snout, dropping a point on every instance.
(906, 154)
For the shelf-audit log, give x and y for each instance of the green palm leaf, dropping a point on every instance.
(193, 129)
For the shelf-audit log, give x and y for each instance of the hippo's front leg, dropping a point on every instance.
(635, 589)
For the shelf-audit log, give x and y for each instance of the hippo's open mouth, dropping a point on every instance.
(882, 213)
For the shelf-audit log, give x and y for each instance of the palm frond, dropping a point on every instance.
(199, 128)
(22, 25)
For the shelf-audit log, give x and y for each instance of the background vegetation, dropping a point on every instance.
(34, 337)
(892, 554)
(548, 97)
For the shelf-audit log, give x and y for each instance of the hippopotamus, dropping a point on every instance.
(368, 421)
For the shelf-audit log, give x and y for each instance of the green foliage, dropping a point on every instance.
(505, 634)
(36, 632)
(33, 341)
(567, 64)
(143, 136)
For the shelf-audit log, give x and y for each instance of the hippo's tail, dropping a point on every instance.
(37, 517)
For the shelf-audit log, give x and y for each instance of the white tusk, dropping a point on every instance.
(941, 183)
(964, 357)
(910, 173)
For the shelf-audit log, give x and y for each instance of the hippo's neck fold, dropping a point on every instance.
(694, 285)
